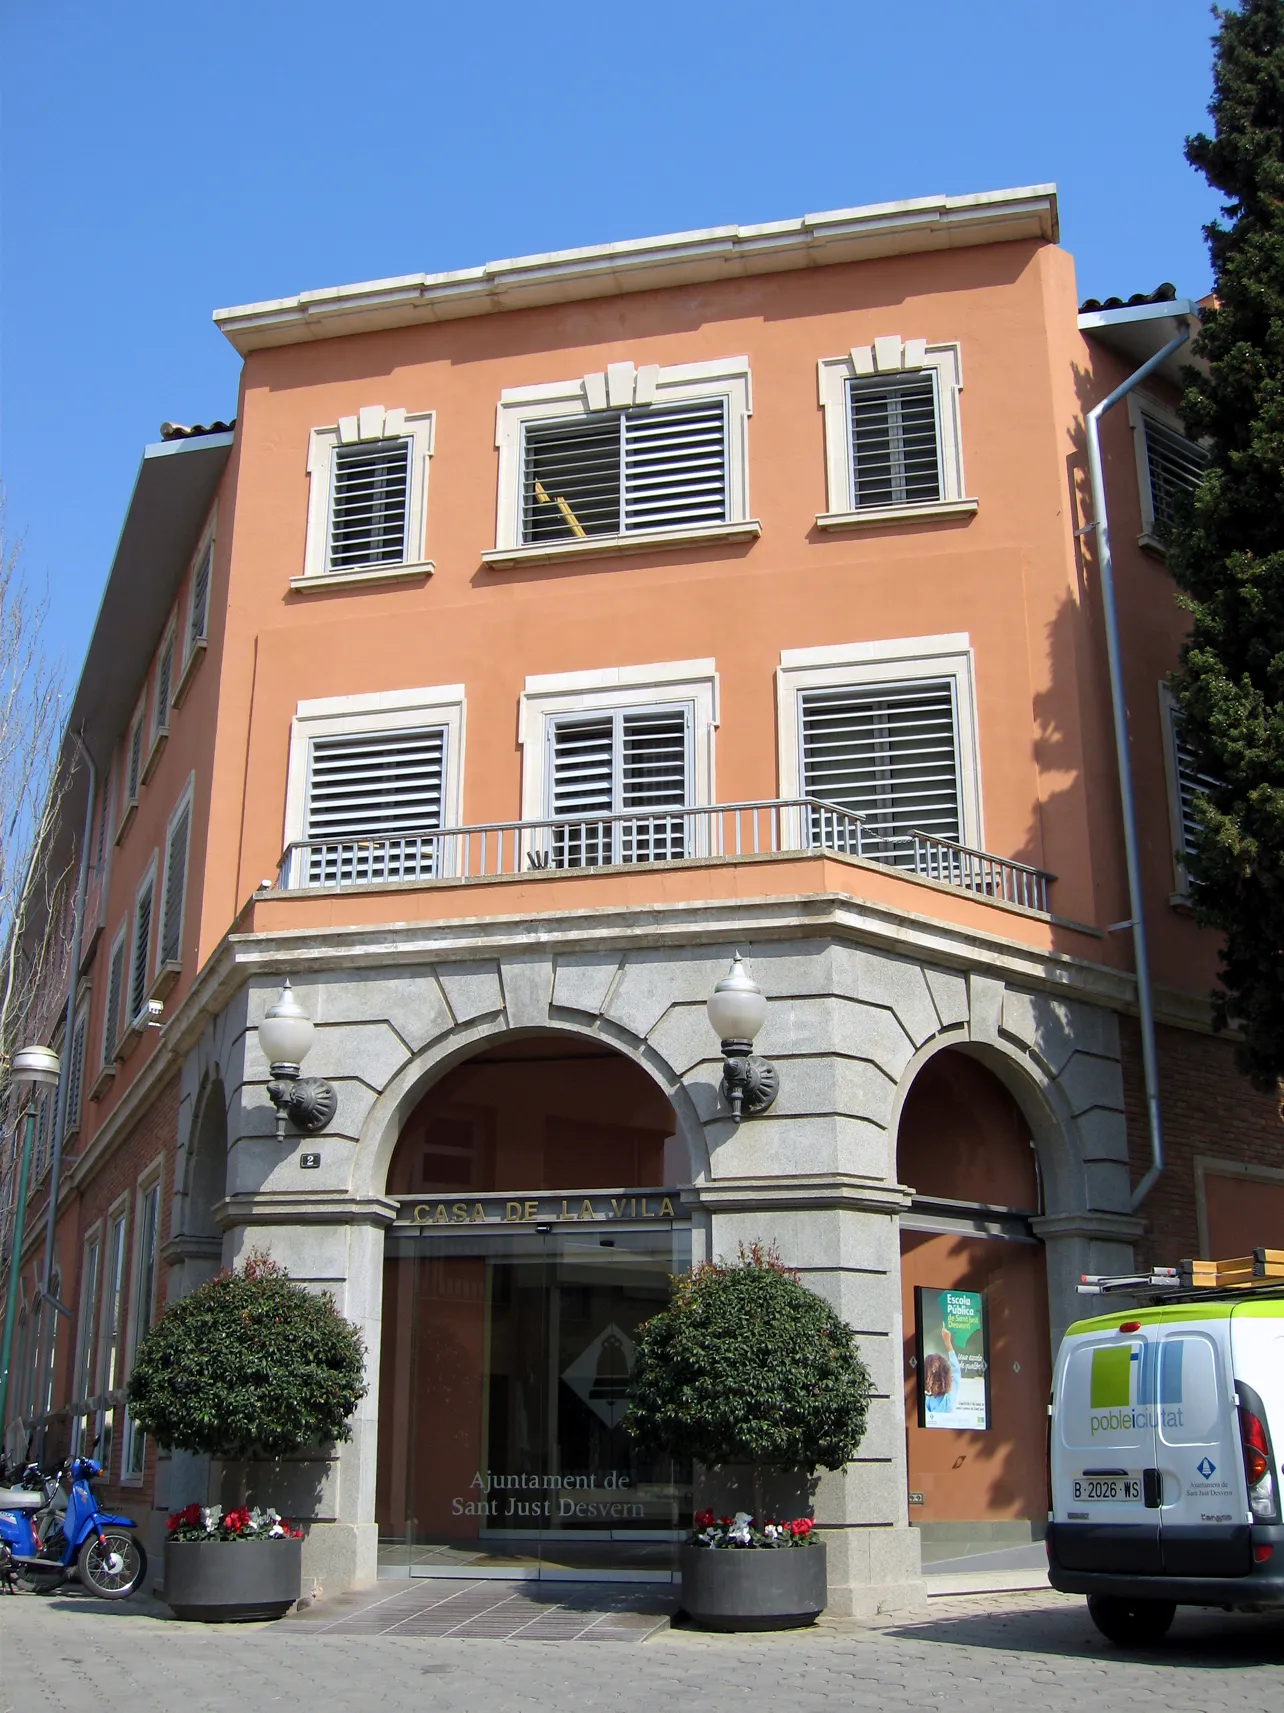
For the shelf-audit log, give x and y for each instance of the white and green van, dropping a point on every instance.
(1165, 1437)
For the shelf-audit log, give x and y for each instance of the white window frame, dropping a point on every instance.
(159, 730)
(164, 975)
(890, 354)
(76, 1077)
(1168, 720)
(549, 696)
(149, 1180)
(371, 422)
(1140, 406)
(88, 1322)
(866, 665)
(377, 711)
(622, 386)
(190, 650)
(135, 1021)
(131, 798)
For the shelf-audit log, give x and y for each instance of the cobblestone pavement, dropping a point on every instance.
(977, 1654)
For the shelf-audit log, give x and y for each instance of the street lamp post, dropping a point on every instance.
(33, 1067)
(737, 1010)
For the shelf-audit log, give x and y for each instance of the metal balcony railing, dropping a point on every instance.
(722, 832)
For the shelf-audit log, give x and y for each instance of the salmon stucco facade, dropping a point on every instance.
(537, 638)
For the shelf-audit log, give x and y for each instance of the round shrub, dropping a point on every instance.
(249, 1365)
(747, 1365)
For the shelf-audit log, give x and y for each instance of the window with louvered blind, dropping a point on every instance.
(134, 759)
(141, 949)
(635, 764)
(895, 442)
(198, 611)
(620, 472)
(1174, 467)
(115, 983)
(164, 687)
(374, 805)
(1188, 782)
(369, 505)
(889, 752)
(76, 1071)
(174, 885)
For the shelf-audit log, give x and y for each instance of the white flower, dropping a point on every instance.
(212, 1516)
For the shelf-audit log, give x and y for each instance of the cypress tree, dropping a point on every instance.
(1227, 548)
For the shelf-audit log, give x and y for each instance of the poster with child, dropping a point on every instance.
(952, 1339)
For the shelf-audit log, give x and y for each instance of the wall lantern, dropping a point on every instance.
(737, 1010)
(35, 1065)
(285, 1036)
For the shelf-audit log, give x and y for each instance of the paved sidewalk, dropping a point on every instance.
(1006, 1653)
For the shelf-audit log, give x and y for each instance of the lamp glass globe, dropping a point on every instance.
(286, 1032)
(737, 1007)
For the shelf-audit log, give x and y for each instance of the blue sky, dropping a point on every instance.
(161, 160)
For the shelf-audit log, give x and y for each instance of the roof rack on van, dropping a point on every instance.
(1244, 1272)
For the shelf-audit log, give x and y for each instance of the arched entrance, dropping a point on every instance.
(975, 1304)
(538, 1228)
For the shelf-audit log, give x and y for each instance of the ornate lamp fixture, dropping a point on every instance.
(285, 1035)
(737, 1010)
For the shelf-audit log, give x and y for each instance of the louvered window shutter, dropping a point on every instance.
(164, 685)
(617, 472)
(1175, 466)
(200, 598)
(135, 761)
(142, 946)
(890, 753)
(76, 1071)
(115, 978)
(375, 805)
(175, 887)
(582, 770)
(1191, 783)
(369, 504)
(895, 444)
(628, 764)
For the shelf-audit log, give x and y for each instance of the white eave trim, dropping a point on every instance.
(646, 264)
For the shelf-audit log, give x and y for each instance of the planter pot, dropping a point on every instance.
(753, 1588)
(232, 1582)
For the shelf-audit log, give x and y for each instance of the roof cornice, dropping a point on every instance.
(648, 264)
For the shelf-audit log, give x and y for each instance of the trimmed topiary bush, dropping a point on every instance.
(249, 1365)
(747, 1365)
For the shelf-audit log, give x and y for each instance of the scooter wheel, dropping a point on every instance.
(111, 1567)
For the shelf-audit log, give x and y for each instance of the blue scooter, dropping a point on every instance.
(47, 1543)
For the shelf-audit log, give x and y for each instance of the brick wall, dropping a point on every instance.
(1207, 1108)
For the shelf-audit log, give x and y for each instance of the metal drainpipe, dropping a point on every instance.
(1118, 707)
(64, 1081)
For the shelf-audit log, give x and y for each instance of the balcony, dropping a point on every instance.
(722, 832)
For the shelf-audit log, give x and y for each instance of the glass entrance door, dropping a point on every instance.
(506, 1364)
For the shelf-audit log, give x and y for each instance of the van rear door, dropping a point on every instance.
(1105, 1482)
(1203, 1526)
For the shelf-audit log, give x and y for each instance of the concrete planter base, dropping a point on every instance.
(753, 1588)
(232, 1582)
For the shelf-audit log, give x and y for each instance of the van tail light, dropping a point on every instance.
(1047, 1460)
(1255, 1443)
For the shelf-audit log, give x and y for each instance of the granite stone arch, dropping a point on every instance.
(402, 1093)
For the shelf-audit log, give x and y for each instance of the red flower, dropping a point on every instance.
(725, 1522)
(800, 1527)
(703, 1519)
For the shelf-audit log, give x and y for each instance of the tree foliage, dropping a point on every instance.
(748, 1366)
(250, 1364)
(1227, 550)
